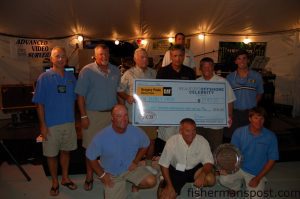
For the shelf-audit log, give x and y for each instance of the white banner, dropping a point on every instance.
(21, 48)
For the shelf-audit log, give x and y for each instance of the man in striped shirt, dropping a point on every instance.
(248, 89)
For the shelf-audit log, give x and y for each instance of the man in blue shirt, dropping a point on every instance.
(248, 89)
(120, 147)
(97, 93)
(259, 150)
(55, 98)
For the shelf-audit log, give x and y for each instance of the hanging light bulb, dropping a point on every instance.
(80, 38)
(144, 41)
(117, 42)
(201, 36)
(247, 40)
(171, 39)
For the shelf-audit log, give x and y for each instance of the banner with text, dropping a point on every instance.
(31, 48)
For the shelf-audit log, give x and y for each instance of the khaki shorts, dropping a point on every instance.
(119, 190)
(151, 131)
(98, 121)
(60, 138)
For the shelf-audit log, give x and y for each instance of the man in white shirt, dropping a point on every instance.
(189, 57)
(125, 91)
(185, 158)
(214, 135)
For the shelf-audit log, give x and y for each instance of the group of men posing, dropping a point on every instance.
(186, 151)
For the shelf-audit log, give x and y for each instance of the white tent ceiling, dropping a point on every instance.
(132, 19)
(276, 22)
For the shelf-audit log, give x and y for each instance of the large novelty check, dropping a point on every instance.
(167, 102)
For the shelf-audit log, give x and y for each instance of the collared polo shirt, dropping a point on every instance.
(133, 73)
(98, 89)
(58, 104)
(246, 89)
(127, 81)
(168, 72)
(256, 150)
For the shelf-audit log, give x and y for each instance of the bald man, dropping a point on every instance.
(120, 147)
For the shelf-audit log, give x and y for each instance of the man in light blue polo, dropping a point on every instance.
(97, 93)
(120, 147)
(259, 150)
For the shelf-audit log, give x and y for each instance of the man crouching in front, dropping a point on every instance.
(120, 147)
(186, 158)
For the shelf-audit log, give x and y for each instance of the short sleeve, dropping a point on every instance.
(82, 82)
(167, 154)
(39, 96)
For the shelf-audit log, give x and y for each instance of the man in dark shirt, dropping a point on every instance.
(176, 70)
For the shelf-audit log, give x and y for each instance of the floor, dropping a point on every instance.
(284, 179)
(283, 182)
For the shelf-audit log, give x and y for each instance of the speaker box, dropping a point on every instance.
(16, 97)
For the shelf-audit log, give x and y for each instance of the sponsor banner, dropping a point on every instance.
(167, 102)
(31, 48)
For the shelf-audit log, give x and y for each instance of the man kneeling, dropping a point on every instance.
(120, 147)
(186, 158)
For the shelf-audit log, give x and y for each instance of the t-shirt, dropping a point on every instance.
(117, 151)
